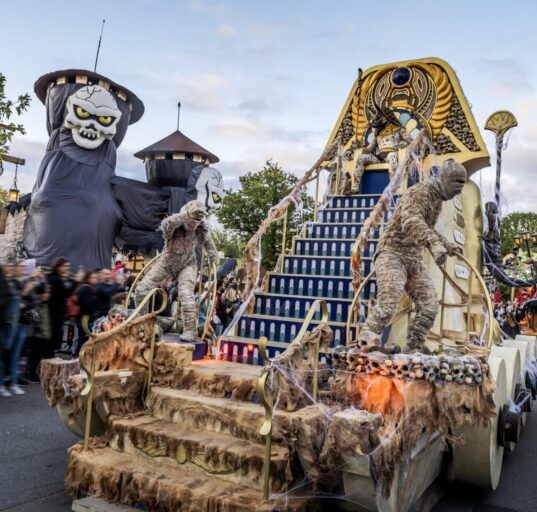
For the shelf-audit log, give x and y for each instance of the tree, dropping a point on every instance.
(243, 211)
(514, 223)
(227, 242)
(8, 109)
(3, 197)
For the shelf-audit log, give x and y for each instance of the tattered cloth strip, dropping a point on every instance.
(276, 213)
(122, 347)
(409, 409)
(377, 214)
(54, 375)
(292, 371)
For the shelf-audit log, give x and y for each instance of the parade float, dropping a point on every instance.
(288, 410)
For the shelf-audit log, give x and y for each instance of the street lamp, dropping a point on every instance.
(526, 237)
(534, 238)
(14, 192)
(517, 239)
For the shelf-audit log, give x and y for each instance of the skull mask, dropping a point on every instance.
(92, 116)
(210, 189)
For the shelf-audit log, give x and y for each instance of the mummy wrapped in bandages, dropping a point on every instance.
(182, 232)
(399, 263)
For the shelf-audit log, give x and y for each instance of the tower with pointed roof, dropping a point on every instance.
(169, 161)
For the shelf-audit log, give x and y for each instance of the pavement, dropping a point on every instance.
(33, 455)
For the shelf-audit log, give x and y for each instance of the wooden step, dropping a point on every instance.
(124, 478)
(221, 379)
(236, 460)
(221, 415)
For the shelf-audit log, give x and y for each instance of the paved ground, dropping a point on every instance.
(32, 454)
(33, 458)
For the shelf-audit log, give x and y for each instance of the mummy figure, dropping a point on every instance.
(182, 233)
(382, 147)
(399, 262)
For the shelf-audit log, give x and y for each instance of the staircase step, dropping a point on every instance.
(285, 329)
(339, 266)
(244, 350)
(354, 201)
(292, 306)
(215, 378)
(335, 230)
(235, 460)
(125, 478)
(239, 419)
(348, 215)
(315, 286)
(330, 247)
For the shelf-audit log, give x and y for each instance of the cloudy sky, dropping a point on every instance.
(262, 80)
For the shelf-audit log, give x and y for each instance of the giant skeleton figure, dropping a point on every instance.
(399, 263)
(182, 233)
(381, 148)
(79, 208)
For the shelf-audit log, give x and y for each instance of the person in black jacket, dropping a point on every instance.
(61, 288)
(86, 298)
(5, 328)
(106, 289)
(510, 326)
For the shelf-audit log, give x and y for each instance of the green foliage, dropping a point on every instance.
(514, 223)
(244, 210)
(227, 242)
(8, 109)
(3, 197)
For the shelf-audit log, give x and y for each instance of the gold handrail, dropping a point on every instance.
(266, 399)
(139, 276)
(352, 309)
(464, 304)
(266, 395)
(88, 389)
(207, 329)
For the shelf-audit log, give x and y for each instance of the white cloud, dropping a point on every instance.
(225, 30)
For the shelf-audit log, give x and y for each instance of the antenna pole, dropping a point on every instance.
(178, 114)
(99, 47)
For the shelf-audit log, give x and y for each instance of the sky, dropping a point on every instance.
(268, 79)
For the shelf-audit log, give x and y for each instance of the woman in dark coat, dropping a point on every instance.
(61, 288)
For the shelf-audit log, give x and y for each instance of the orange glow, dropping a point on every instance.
(381, 394)
(250, 346)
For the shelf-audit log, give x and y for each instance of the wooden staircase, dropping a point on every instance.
(195, 446)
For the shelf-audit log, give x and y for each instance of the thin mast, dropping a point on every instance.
(99, 47)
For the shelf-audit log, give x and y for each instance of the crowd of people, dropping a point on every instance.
(228, 301)
(41, 314)
(509, 315)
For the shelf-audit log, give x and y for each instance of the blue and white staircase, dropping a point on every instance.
(318, 267)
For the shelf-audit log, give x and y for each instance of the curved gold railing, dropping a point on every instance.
(265, 393)
(93, 341)
(466, 303)
(139, 276)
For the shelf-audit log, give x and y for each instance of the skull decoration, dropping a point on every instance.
(92, 116)
(210, 189)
